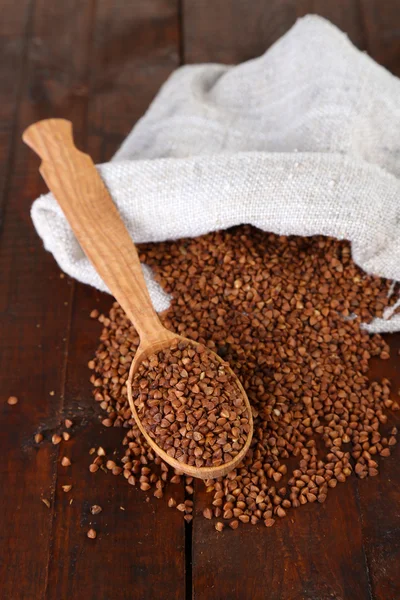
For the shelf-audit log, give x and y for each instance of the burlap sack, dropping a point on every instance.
(303, 140)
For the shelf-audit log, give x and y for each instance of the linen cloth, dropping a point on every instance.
(303, 140)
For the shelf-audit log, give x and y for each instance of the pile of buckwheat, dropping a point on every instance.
(191, 405)
(286, 314)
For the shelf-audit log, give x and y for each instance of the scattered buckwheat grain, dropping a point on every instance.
(285, 313)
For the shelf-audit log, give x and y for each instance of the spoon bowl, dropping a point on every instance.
(199, 472)
(88, 207)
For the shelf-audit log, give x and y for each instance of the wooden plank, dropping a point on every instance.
(231, 31)
(381, 26)
(145, 555)
(317, 551)
(14, 38)
(33, 324)
(139, 552)
(135, 50)
(379, 499)
(36, 304)
(135, 545)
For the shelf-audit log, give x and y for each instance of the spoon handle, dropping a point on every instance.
(94, 218)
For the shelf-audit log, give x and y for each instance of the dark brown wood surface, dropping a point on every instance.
(99, 63)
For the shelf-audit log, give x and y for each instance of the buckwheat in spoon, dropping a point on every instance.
(186, 401)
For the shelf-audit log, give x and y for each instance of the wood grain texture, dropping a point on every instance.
(379, 499)
(134, 547)
(33, 321)
(232, 31)
(14, 39)
(315, 552)
(34, 318)
(320, 552)
(135, 49)
(382, 32)
(100, 63)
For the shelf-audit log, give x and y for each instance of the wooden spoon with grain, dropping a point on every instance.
(96, 223)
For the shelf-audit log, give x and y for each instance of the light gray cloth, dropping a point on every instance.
(303, 140)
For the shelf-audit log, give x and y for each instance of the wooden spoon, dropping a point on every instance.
(94, 218)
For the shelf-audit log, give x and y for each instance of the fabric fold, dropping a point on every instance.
(303, 140)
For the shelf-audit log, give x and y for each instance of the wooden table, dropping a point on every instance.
(99, 63)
